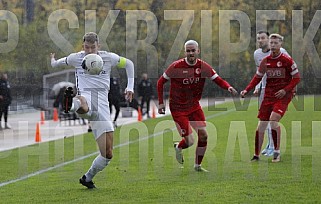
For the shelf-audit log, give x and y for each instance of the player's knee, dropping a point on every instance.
(107, 154)
(274, 124)
(262, 126)
(83, 105)
(202, 135)
(189, 140)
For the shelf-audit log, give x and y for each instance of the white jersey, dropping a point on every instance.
(84, 81)
(95, 88)
(258, 57)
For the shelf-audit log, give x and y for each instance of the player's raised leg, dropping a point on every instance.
(186, 142)
(185, 130)
(77, 104)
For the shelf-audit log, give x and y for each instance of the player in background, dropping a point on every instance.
(282, 75)
(91, 101)
(114, 97)
(187, 77)
(145, 92)
(263, 51)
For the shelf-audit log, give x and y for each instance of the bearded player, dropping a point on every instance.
(187, 77)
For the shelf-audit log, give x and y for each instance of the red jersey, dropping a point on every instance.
(187, 83)
(280, 71)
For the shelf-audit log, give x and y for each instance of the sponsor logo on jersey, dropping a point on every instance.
(191, 80)
(197, 70)
(279, 64)
(275, 73)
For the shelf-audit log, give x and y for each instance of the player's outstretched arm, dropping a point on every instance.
(255, 80)
(224, 85)
(57, 63)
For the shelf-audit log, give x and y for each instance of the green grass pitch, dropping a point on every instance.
(144, 169)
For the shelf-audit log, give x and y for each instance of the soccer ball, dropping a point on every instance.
(92, 64)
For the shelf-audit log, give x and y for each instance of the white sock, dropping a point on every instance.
(98, 165)
(75, 104)
(277, 151)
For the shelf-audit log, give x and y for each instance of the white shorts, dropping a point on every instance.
(99, 116)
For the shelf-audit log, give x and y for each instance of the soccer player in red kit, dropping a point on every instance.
(282, 77)
(187, 77)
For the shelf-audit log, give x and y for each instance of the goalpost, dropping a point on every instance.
(49, 80)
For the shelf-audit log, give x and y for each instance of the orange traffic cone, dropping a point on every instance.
(55, 114)
(153, 112)
(42, 117)
(140, 116)
(38, 136)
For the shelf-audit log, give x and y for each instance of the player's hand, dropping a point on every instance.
(280, 94)
(256, 92)
(161, 109)
(129, 95)
(232, 91)
(52, 55)
(243, 93)
(1, 98)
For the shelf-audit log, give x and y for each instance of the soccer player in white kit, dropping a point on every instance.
(91, 101)
(263, 51)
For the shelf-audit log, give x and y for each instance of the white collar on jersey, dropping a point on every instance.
(276, 56)
(190, 63)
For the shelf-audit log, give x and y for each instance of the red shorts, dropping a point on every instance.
(186, 120)
(270, 105)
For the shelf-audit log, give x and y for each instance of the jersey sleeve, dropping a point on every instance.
(122, 62)
(170, 72)
(59, 62)
(294, 68)
(257, 64)
(115, 59)
(258, 75)
(160, 89)
(72, 59)
(256, 59)
(208, 71)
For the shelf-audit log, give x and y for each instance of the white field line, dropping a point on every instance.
(95, 153)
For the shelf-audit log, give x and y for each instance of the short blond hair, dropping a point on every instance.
(191, 42)
(276, 36)
(91, 37)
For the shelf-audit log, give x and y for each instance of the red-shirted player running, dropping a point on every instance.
(187, 77)
(282, 77)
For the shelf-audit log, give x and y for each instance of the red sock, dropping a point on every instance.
(182, 144)
(200, 151)
(276, 136)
